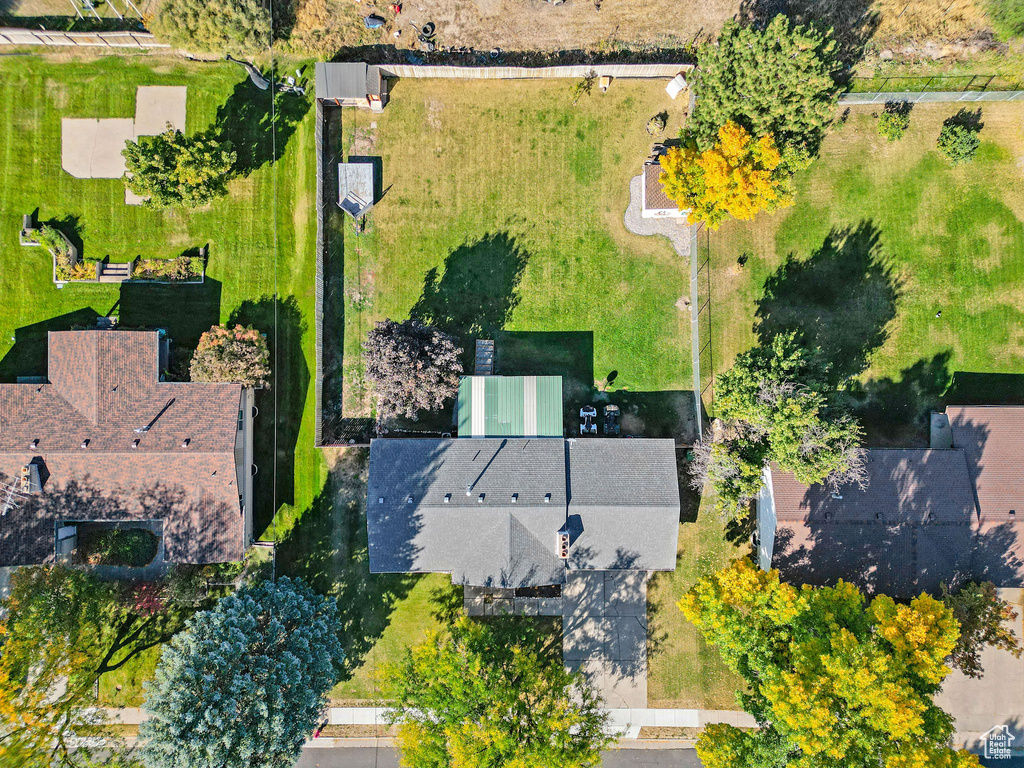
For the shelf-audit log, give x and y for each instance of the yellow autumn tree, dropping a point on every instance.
(833, 680)
(738, 177)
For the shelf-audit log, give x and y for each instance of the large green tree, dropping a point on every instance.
(832, 679)
(492, 695)
(778, 80)
(218, 26)
(773, 405)
(245, 683)
(174, 171)
(63, 628)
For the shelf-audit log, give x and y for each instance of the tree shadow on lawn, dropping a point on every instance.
(256, 126)
(328, 548)
(476, 293)
(839, 301)
(281, 405)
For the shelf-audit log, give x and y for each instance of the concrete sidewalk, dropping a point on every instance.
(624, 722)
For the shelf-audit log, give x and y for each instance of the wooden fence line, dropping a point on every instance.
(666, 71)
(141, 40)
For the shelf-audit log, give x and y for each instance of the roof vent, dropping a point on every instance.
(380, 499)
(515, 497)
(408, 499)
(85, 443)
(480, 498)
(837, 496)
(447, 498)
(1013, 513)
(135, 443)
(547, 498)
(563, 543)
(34, 444)
(185, 442)
(469, 490)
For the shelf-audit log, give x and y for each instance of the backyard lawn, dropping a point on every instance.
(502, 212)
(261, 241)
(907, 272)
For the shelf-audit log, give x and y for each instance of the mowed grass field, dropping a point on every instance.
(502, 210)
(261, 241)
(905, 271)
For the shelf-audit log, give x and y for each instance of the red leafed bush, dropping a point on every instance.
(146, 598)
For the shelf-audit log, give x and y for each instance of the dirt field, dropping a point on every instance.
(518, 25)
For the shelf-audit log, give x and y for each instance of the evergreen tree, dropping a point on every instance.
(217, 26)
(778, 81)
(171, 170)
(246, 682)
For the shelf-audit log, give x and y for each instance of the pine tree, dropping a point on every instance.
(777, 81)
(246, 682)
(171, 170)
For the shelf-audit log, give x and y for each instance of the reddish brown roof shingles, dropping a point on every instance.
(914, 525)
(103, 386)
(655, 198)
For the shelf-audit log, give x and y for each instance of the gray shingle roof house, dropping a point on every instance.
(924, 517)
(490, 511)
(104, 438)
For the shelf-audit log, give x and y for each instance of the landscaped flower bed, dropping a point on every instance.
(126, 547)
(182, 269)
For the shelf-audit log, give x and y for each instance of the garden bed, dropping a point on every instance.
(124, 547)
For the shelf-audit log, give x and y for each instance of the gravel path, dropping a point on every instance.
(675, 230)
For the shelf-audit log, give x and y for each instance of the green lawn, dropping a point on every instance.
(502, 211)
(883, 237)
(261, 237)
(261, 242)
(684, 671)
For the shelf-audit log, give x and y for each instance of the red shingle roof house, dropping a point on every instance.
(924, 517)
(105, 439)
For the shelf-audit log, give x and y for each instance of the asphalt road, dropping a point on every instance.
(347, 757)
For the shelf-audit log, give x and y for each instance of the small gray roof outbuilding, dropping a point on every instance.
(338, 81)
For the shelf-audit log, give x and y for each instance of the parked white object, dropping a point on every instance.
(676, 85)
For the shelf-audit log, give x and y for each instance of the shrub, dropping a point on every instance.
(1007, 17)
(173, 171)
(218, 26)
(127, 547)
(958, 142)
(893, 122)
(146, 598)
(178, 268)
(232, 354)
(413, 367)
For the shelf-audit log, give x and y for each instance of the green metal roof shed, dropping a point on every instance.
(510, 406)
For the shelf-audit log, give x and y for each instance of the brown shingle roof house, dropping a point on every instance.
(104, 439)
(924, 516)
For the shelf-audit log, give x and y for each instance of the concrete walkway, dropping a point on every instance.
(625, 723)
(604, 633)
(676, 230)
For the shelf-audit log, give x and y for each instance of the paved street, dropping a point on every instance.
(346, 757)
